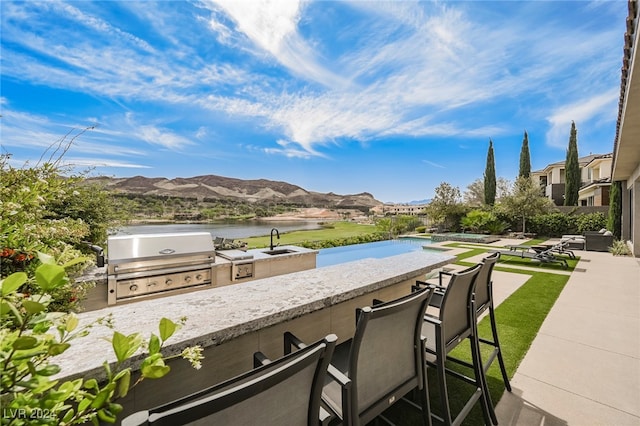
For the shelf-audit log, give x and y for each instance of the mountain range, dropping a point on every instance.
(212, 187)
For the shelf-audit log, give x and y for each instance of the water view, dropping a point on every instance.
(224, 229)
(378, 250)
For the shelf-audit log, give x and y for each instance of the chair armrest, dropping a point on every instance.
(345, 394)
(260, 359)
(431, 319)
(440, 275)
(419, 285)
(291, 341)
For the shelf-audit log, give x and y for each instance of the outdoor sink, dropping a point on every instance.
(278, 251)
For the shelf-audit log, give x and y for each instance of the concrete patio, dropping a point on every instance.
(583, 368)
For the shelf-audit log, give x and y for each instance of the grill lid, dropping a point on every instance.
(148, 246)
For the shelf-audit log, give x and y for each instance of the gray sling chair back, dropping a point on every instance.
(381, 363)
(286, 391)
(483, 302)
(454, 324)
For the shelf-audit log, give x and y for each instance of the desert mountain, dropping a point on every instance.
(211, 187)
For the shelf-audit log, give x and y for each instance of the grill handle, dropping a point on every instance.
(99, 251)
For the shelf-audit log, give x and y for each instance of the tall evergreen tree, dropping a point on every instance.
(614, 221)
(490, 177)
(572, 170)
(525, 158)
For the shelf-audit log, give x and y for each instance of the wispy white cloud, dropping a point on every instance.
(583, 110)
(412, 68)
(433, 164)
(273, 26)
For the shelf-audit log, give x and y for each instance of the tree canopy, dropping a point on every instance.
(526, 201)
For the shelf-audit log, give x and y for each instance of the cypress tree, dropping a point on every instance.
(572, 170)
(490, 177)
(614, 221)
(525, 159)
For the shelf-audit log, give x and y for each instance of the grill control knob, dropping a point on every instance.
(152, 284)
(133, 287)
(199, 277)
(187, 279)
(169, 281)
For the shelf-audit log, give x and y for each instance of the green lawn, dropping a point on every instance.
(334, 230)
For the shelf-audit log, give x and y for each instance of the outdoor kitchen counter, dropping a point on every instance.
(222, 314)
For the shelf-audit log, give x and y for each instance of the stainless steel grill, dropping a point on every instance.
(144, 265)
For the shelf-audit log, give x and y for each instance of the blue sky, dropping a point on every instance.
(390, 98)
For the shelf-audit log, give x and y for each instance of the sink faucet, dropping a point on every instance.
(277, 235)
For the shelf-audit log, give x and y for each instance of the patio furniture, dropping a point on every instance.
(561, 248)
(285, 391)
(574, 242)
(598, 241)
(455, 323)
(526, 252)
(381, 363)
(483, 302)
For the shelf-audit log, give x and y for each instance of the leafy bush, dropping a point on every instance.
(553, 224)
(30, 337)
(421, 229)
(591, 222)
(42, 210)
(483, 221)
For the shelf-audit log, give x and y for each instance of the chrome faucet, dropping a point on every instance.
(278, 236)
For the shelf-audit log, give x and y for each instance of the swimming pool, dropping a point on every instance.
(378, 250)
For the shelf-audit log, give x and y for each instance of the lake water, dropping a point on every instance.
(377, 250)
(224, 229)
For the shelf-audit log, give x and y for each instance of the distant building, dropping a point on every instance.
(595, 176)
(400, 209)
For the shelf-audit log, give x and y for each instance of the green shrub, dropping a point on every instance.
(31, 338)
(591, 222)
(421, 229)
(620, 248)
(553, 224)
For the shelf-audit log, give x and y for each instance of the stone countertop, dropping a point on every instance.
(259, 254)
(220, 314)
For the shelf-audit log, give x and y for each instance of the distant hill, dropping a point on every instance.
(211, 187)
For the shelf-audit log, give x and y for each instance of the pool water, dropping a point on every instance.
(378, 250)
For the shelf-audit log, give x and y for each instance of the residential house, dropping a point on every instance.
(594, 190)
(595, 173)
(626, 146)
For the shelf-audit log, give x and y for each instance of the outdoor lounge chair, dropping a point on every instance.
(524, 252)
(285, 391)
(381, 363)
(561, 248)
